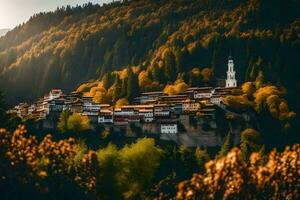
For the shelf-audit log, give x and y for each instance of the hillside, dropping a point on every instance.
(3, 31)
(158, 39)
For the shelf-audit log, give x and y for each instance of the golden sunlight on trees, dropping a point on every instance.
(230, 177)
(144, 79)
(102, 97)
(272, 97)
(237, 102)
(250, 142)
(121, 102)
(248, 88)
(178, 87)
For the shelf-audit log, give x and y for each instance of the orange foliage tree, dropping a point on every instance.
(230, 177)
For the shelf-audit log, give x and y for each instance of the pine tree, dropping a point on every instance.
(227, 145)
(62, 124)
(170, 66)
(2, 110)
(107, 80)
(250, 142)
(133, 89)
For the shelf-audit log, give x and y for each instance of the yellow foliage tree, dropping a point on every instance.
(144, 79)
(78, 123)
(102, 97)
(237, 102)
(249, 89)
(121, 102)
(178, 87)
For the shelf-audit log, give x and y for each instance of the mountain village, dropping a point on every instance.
(156, 112)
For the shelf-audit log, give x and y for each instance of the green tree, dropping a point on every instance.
(202, 157)
(62, 124)
(109, 168)
(78, 123)
(3, 116)
(170, 66)
(139, 162)
(187, 160)
(227, 145)
(107, 80)
(133, 89)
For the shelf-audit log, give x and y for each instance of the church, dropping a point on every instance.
(230, 81)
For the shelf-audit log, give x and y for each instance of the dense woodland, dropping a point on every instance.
(116, 51)
(160, 40)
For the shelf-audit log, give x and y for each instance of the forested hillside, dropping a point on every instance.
(156, 42)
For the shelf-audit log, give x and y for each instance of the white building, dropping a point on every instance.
(105, 116)
(190, 106)
(230, 81)
(147, 115)
(168, 128)
(215, 100)
(55, 93)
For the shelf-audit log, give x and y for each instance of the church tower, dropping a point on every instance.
(230, 81)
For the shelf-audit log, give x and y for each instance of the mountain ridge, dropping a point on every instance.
(3, 31)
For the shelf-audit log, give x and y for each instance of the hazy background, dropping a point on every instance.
(14, 12)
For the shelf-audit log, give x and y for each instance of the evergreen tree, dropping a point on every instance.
(227, 145)
(250, 142)
(202, 157)
(170, 66)
(3, 117)
(62, 124)
(124, 88)
(133, 89)
(107, 80)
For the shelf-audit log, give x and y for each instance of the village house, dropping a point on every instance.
(106, 116)
(76, 106)
(162, 111)
(58, 105)
(203, 92)
(216, 99)
(177, 108)
(89, 107)
(171, 99)
(168, 129)
(190, 106)
(147, 97)
(54, 94)
(147, 115)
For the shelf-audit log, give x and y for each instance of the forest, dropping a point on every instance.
(159, 41)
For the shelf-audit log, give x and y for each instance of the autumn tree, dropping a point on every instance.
(121, 102)
(230, 177)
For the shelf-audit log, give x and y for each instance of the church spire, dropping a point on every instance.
(230, 81)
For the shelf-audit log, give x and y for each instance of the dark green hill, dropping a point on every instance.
(70, 46)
